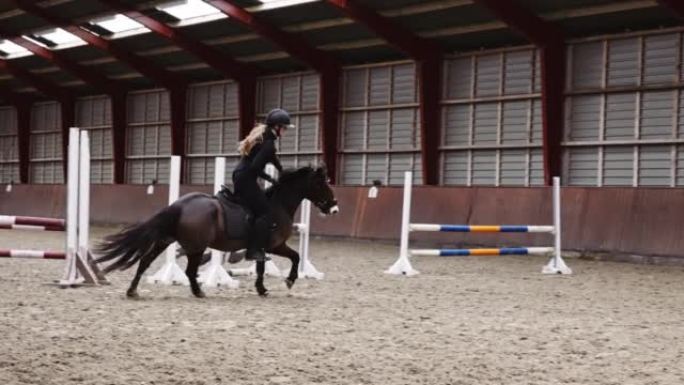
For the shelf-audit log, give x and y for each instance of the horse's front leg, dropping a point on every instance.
(259, 284)
(285, 251)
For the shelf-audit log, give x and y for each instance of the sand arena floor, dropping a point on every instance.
(462, 321)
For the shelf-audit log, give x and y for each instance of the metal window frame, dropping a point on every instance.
(639, 90)
(473, 100)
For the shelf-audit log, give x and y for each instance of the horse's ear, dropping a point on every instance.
(322, 169)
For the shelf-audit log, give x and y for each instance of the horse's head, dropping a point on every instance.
(313, 184)
(318, 191)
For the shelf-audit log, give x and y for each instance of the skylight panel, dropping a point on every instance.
(10, 50)
(60, 37)
(272, 4)
(188, 9)
(118, 23)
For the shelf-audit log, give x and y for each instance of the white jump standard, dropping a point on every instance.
(170, 272)
(555, 266)
(79, 267)
(214, 274)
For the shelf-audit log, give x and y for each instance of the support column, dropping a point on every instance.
(118, 101)
(68, 113)
(178, 112)
(247, 104)
(329, 104)
(429, 73)
(553, 86)
(24, 134)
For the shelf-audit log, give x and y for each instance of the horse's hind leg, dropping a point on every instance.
(285, 251)
(194, 260)
(145, 262)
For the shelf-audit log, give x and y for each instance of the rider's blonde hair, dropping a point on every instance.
(255, 136)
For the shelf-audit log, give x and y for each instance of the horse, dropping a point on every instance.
(197, 221)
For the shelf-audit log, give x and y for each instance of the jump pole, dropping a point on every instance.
(170, 273)
(556, 264)
(214, 274)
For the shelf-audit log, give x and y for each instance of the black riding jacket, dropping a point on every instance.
(261, 154)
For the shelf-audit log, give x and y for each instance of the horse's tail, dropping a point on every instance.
(141, 241)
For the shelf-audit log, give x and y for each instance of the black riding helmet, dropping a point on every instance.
(278, 117)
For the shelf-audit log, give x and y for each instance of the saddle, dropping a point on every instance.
(228, 200)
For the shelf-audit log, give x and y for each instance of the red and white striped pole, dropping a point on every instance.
(31, 223)
(34, 254)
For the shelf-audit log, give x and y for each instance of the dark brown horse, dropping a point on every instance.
(197, 221)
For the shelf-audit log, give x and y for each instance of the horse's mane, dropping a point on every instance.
(290, 174)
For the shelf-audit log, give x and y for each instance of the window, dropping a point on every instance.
(380, 124)
(624, 112)
(492, 119)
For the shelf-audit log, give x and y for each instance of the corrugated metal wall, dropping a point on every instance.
(148, 137)
(212, 129)
(46, 143)
(95, 114)
(9, 145)
(298, 94)
(624, 112)
(491, 119)
(380, 124)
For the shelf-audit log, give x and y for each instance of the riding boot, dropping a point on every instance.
(258, 239)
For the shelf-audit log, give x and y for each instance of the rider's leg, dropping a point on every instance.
(260, 234)
(260, 225)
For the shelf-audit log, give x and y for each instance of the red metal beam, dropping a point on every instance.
(396, 35)
(177, 97)
(68, 114)
(145, 67)
(329, 104)
(676, 6)
(93, 78)
(553, 102)
(216, 58)
(119, 136)
(428, 57)
(323, 62)
(246, 105)
(430, 112)
(24, 134)
(551, 42)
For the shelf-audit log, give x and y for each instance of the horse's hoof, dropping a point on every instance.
(132, 295)
(200, 294)
(289, 283)
(263, 293)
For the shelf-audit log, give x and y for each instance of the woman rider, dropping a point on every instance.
(257, 150)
